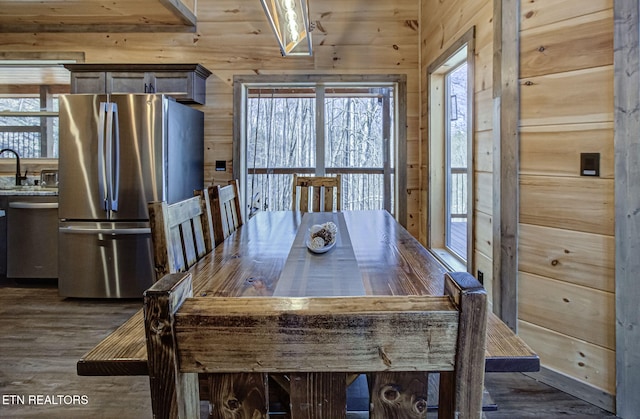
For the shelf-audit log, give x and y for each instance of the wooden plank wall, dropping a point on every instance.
(566, 244)
(233, 37)
(442, 24)
(566, 268)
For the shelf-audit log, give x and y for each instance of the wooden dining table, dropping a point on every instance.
(267, 256)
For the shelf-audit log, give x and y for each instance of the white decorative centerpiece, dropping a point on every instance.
(322, 237)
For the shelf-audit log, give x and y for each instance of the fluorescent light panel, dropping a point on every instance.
(289, 20)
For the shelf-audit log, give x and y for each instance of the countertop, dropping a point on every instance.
(9, 188)
(28, 191)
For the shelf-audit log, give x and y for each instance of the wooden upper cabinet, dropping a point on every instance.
(185, 82)
(88, 82)
(128, 82)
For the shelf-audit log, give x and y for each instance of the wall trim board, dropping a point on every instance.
(183, 12)
(76, 56)
(98, 28)
(506, 105)
(575, 388)
(627, 202)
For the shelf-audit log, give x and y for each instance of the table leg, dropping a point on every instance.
(318, 395)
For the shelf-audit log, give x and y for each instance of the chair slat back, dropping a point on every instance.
(317, 193)
(179, 234)
(226, 210)
(317, 342)
(206, 200)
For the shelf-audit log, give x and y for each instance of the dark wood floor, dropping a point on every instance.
(42, 336)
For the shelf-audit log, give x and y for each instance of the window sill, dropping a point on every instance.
(451, 262)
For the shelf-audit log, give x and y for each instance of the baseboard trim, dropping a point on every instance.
(576, 388)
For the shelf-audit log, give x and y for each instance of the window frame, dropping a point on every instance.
(44, 127)
(243, 82)
(449, 169)
(437, 131)
(38, 68)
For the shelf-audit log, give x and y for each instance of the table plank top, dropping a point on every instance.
(251, 261)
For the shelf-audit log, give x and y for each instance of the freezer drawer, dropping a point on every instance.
(105, 260)
(32, 238)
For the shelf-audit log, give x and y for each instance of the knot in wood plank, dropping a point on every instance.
(390, 393)
(158, 326)
(420, 406)
(383, 355)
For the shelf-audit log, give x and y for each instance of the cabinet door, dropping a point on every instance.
(128, 82)
(88, 82)
(176, 84)
(184, 86)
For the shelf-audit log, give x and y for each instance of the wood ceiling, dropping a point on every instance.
(97, 16)
(42, 16)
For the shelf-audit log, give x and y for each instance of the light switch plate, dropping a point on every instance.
(589, 164)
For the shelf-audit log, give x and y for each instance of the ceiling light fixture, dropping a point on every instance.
(289, 20)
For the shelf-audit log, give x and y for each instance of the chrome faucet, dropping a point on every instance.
(19, 177)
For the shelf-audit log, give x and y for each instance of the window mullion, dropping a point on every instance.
(386, 134)
(320, 131)
(447, 158)
(46, 128)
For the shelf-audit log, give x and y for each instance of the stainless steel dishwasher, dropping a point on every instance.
(32, 237)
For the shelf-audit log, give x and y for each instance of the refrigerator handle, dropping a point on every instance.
(109, 153)
(102, 175)
(114, 159)
(131, 231)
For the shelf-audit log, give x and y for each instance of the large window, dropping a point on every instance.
(30, 84)
(319, 128)
(29, 125)
(450, 155)
(456, 159)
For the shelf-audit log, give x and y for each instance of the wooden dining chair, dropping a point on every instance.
(225, 210)
(180, 234)
(317, 342)
(316, 193)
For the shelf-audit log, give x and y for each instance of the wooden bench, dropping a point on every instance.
(123, 352)
(316, 341)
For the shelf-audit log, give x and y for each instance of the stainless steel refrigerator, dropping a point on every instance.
(117, 153)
